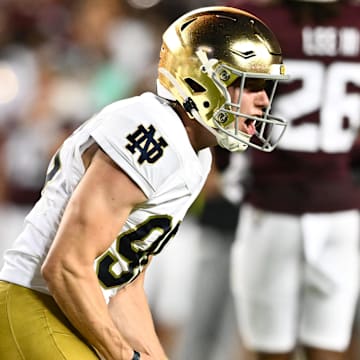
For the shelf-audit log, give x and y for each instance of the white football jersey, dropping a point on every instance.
(147, 139)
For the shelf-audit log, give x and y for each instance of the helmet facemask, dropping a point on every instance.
(268, 129)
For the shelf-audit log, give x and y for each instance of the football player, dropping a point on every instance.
(296, 256)
(118, 188)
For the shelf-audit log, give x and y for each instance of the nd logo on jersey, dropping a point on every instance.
(143, 140)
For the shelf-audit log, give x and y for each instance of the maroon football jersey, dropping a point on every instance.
(309, 171)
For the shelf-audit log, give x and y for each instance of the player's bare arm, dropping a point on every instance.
(131, 314)
(92, 219)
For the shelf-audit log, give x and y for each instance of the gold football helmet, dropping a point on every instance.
(207, 50)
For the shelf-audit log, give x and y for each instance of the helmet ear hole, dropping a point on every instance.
(195, 86)
(206, 104)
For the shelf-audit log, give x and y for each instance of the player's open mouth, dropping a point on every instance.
(249, 126)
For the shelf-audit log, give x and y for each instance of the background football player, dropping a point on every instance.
(296, 256)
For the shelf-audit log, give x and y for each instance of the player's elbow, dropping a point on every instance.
(49, 269)
(64, 272)
(54, 272)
